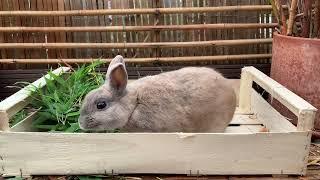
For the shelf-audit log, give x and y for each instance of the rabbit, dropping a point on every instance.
(191, 99)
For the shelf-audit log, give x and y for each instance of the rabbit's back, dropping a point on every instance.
(189, 100)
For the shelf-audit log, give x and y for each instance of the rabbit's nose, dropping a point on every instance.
(90, 122)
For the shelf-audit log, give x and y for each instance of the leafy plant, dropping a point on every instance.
(19, 116)
(59, 102)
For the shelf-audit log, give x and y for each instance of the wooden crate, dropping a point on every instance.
(242, 149)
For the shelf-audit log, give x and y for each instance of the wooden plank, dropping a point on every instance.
(244, 129)
(143, 37)
(18, 36)
(301, 108)
(77, 21)
(9, 21)
(62, 23)
(128, 153)
(40, 36)
(245, 92)
(172, 34)
(68, 23)
(165, 34)
(86, 36)
(34, 37)
(55, 23)
(268, 116)
(108, 21)
(51, 38)
(2, 38)
(240, 124)
(17, 101)
(101, 22)
(90, 21)
(243, 119)
(130, 35)
(122, 22)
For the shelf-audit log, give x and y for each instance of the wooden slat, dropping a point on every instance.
(62, 35)
(162, 153)
(301, 108)
(51, 38)
(240, 124)
(243, 119)
(244, 129)
(3, 53)
(55, 23)
(102, 35)
(24, 22)
(245, 92)
(136, 11)
(268, 116)
(18, 36)
(40, 36)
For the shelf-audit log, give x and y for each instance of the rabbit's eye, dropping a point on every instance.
(101, 105)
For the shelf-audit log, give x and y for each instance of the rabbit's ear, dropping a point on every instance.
(117, 76)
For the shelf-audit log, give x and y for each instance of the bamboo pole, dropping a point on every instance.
(139, 28)
(133, 45)
(141, 60)
(292, 15)
(137, 11)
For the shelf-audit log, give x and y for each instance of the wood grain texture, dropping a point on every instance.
(301, 108)
(245, 92)
(161, 153)
(240, 124)
(281, 151)
(268, 116)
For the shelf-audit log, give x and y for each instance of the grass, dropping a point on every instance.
(19, 116)
(59, 102)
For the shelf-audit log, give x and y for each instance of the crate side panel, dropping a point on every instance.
(166, 153)
(268, 116)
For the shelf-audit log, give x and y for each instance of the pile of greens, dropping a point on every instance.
(60, 100)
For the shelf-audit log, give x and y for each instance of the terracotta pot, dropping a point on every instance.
(296, 65)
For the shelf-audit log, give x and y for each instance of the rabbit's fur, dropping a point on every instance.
(187, 100)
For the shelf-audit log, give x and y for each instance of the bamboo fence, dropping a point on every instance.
(144, 31)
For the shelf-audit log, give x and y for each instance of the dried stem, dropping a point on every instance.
(292, 16)
(306, 20)
(275, 10)
(317, 19)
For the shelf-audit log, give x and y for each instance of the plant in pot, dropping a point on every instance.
(296, 52)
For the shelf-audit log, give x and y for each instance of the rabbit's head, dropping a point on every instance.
(104, 108)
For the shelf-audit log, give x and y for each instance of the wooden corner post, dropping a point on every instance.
(306, 119)
(245, 91)
(4, 121)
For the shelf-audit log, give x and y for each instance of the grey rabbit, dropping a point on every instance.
(192, 99)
